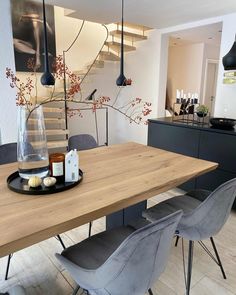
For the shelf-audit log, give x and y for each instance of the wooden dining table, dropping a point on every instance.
(115, 177)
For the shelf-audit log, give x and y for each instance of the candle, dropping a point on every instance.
(177, 93)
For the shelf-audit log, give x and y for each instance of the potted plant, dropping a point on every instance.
(202, 110)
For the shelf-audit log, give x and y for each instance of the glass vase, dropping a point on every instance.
(32, 152)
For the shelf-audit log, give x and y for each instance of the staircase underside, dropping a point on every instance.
(54, 112)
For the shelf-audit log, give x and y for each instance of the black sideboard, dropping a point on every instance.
(199, 141)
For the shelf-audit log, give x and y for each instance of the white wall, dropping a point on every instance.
(185, 66)
(141, 67)
(225, 104)
(8, 114)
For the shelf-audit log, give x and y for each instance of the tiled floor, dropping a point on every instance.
(39, 272)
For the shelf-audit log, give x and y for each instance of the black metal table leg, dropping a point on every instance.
(90, 228)
(8, 265)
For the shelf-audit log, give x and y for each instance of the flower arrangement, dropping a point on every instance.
(27, 95)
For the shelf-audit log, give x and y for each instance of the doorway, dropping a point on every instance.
(210, 83)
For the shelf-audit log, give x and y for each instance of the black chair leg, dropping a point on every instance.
(76, 290)
(150, 291)
(190, 265)
(218, 258)
(90, 228)
(8, 266)
(60, 240)
(176, 241)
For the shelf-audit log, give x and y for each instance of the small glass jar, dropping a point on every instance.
(57, 166)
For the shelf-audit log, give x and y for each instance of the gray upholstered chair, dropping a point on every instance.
(83, 142)
(8, 154)
(205, 213)
(122, 260)
(17, 290)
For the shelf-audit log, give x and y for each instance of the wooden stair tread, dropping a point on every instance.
(135, 26)
(57, 144)
(106, 55)
(116, 46)
(128, 35)
(97, 64)
(52, 110)
(84, 72)
(50, 132)
(49, 120)
(52, 144)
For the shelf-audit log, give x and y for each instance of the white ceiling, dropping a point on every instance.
(153, 13)
(210, 34)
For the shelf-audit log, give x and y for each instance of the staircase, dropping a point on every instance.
(54, 114)
(55, 124)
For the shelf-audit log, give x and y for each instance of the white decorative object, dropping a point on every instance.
(177, 93)
(49, 181)
(72, 166)
(34, 181)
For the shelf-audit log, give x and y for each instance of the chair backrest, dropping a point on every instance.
(141, 258)
(209, 217)
(8, 153)
(82, 142)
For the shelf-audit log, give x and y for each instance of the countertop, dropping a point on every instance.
(201, 125)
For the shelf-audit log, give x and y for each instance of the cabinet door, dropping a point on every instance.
(220, 148)
(176, 139)
(213, 179)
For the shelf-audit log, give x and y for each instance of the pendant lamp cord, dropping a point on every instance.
(45, 39)
(122, 41)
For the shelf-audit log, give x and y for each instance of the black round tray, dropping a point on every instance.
(222, 123)
(20, 185)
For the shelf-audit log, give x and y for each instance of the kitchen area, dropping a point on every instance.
(194, 125)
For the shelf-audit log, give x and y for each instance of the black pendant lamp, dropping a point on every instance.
(229, 60)
(121, 80)
(47, 78)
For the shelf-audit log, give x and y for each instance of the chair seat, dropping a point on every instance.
(17, 290)
(94, 251)
(199, 194)
(183, 202)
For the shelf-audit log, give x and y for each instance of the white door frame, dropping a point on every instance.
(208, 61)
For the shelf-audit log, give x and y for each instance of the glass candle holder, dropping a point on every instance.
(57, 166)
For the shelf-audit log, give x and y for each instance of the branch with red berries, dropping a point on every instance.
(134, 110)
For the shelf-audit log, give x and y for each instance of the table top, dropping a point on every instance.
(115, 177)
